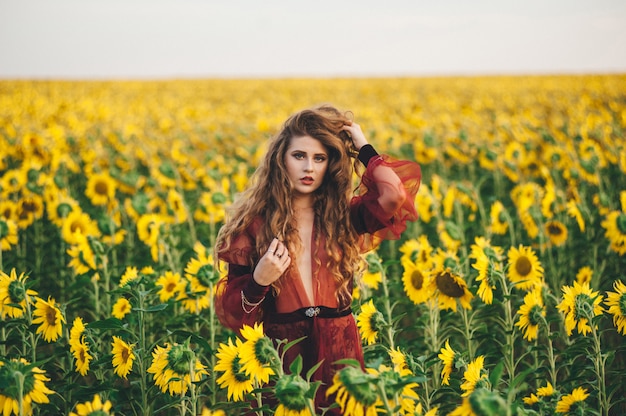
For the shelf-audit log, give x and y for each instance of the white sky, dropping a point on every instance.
(320, 38)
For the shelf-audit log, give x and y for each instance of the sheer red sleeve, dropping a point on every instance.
(368, 216)
(238, 292)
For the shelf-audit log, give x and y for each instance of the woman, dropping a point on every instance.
(294, 241)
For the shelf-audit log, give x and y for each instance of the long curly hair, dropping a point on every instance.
(268, 197)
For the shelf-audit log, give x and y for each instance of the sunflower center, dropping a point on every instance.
(417, 279)
(554, 230)
(51, 316)
(448, 285)
(125, 354)
(77, 226)
(29, 206)
(620, 221)
(523, 266)
(170, 287)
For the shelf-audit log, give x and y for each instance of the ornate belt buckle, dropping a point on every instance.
(312, 312)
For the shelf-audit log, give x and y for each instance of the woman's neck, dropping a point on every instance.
(302, 204)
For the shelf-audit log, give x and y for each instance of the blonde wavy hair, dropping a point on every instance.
(268, 197)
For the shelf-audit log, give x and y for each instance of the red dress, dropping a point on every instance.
(329, 327)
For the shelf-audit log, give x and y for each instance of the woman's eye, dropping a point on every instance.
(320, 158)
(298, 155)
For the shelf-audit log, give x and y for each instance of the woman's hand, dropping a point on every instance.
(273, 263)
(358, 138)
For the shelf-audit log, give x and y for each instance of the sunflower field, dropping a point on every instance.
(506, 297)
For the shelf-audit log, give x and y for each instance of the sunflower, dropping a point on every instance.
(530, 223)
(149, 230)
(8, 234)
(130, 275)
(450, 235)
(531, 314)
(447, 357)
(556, 232)
(33, 385)
(208, 412)
(578, 395)
(546, 391)
(234, 379)
(464, 409)
(616, 301)
(60, 206)
(487, 278)
(416, 282)
(171, 285)
(50, 319)
(373, 275)
(614, 225)
(121, 308)
(76, 225)
(176, 206)
(100, 188)
(258, 355)
(201, 275)
(123, 357)
(574, 212)
(417, 251)
(93, 408)
(584, 275)
(425, 204)
(14, 294)
(12, 181)
(83, 258)
(79, 347)
(451, 287)
(370, 321)
(395, 382)
(171, 368)
(211, 208)
(29, 208)
(579, 305)
(294, 396)
(356, 392)
(524, 268)
(474, 376)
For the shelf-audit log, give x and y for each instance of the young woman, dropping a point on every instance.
(294, 240)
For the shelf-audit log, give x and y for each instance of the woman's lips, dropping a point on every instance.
(307, 180)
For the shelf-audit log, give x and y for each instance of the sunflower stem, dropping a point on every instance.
(551, 358)
(467, 333)
(387, 305)
(599, 361)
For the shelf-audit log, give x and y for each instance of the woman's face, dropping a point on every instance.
(306, 160)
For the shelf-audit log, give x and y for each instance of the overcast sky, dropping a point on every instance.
(320, 38)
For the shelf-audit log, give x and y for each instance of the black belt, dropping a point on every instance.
(307, 313)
